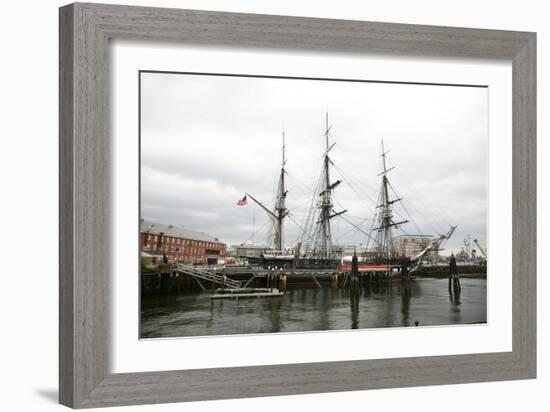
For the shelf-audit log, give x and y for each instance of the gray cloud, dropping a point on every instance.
(206, 140)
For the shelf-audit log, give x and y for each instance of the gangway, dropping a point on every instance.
(208, 276)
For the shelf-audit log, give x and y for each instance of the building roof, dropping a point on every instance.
(151, 254)
(411, 236)
(155, 228)
(249, 246)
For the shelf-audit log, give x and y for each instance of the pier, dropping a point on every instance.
(244, 293)
(168, 279)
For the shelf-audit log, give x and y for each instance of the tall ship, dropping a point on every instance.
(316, 248)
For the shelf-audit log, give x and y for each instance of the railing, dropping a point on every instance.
(207, 275)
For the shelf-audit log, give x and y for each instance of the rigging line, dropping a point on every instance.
(435, 221)
(354, 216)
(302, 220)
(351, 229)
(253, 219)
(297, 182)
(416, 226)
(374, 220)
(298, 235)
(311, 233)
(371, 206)
(360, 194)
(396, 195)
(310, 216)
(299, 206)
(353, 185)
(259, 228)
(291, 216)
(442, 214)
(310, 237)
(363, 219)
(370, 230)
(357, 227)
(353, 224)
(439, 214)
(312, 208)
(359, 181)
(409, 214)
(368, 206)
(299, 224)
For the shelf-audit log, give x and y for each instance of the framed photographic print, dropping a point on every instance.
(271, 205)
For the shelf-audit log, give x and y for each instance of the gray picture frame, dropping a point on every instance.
(85, 31)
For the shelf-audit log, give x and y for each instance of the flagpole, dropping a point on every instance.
(253, 220)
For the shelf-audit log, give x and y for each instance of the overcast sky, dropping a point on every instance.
(205, 140)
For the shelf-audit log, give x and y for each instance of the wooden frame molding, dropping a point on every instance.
(85, 31)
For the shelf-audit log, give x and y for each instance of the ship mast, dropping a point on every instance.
(325, 204)
(280, 208)
(280, 211)
(323, 247)
(385, 247)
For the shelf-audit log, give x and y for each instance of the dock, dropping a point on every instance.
(246, 293)
(261, 282)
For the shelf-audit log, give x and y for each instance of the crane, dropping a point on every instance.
(483, 251)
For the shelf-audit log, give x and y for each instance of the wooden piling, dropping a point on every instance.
(283, 282)
(454, 280)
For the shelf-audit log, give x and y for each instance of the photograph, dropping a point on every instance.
(274, 204)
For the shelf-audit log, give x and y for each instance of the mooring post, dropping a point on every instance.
(283, 281)
(405, 278)
(354, 271)
(405, 270)
(454, 282)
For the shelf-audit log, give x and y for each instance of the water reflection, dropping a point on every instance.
(425, 301)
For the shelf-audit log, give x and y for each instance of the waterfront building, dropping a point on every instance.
(249, 251)
(410, 245)
(178, 244)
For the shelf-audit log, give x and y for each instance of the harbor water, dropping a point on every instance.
(427, 302)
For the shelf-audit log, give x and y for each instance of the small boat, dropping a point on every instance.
(277, 255)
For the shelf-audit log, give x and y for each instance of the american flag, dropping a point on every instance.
(242, 201)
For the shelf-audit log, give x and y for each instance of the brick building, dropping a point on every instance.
(179, 244)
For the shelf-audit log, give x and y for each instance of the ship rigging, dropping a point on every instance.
(317, 235)
(316, 246)
(279, 212)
